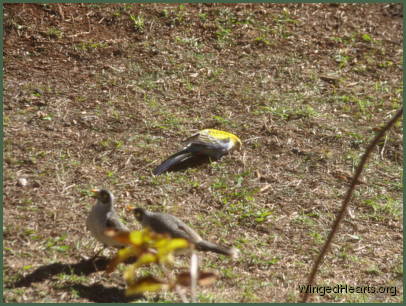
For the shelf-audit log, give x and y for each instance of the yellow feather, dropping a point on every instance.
(221, 135)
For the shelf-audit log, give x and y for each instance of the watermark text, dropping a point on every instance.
(345, 289)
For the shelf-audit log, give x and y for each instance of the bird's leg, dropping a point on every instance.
(95, 256)
(98, 252)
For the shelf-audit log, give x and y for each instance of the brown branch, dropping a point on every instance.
(346, 201)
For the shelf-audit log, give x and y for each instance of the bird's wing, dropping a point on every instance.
(112, 221)
(184, 228)
(165, 223)
(204, 138)
(211, 149)
(190, 139)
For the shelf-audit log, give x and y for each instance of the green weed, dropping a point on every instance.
(138, 22)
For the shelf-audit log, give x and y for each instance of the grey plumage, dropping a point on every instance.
(103, 216)
(168, 224)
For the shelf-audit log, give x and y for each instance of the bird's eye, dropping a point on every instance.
(138, 214)
(104, 197)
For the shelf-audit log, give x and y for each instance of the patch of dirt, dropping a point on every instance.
(98, 94)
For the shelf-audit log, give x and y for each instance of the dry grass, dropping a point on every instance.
(96, 95)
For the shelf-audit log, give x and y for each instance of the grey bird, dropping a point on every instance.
(167, 224)
(103, 217)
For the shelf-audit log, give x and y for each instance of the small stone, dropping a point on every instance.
(22, 182)
(35, 184)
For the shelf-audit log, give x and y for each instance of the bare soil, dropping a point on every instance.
(96, 95)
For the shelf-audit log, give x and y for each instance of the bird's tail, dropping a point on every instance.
(209, 246)
(172, 161)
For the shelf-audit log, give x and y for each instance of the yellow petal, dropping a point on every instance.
(137, 238)
(167, 259)
(145, 259)
(122, 255)
(168, 245)
(129, 274)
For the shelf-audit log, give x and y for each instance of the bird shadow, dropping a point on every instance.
(100, 294)
(84, 267)
(192, 162)
(95, 292)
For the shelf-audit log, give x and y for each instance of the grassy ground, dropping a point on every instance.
(97, 95)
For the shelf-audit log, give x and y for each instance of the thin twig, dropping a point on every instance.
(194, 270)
(346, 201)
(383, 146)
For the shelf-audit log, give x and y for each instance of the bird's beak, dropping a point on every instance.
(95, 193)
(130, 208)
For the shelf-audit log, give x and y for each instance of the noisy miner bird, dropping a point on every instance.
(103, 217)
(167, 224)
(208, 142)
